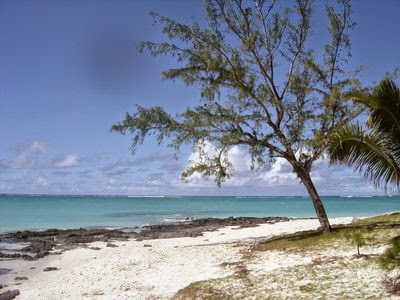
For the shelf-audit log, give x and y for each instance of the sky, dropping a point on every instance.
(69, 70)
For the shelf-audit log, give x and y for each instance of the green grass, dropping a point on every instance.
(302, 243)
(319, 279)
(385, 219)
(322, 240)
(202, 290)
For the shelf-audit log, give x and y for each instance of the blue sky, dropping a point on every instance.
(70, 69)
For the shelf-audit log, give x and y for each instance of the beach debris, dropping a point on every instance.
(392, 284)
(8, 295)
(147, 245)
(95, 248)
(21, 278)
(111, 245)
(48, 269)
(97, 292)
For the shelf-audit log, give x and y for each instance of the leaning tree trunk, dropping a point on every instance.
(316, 200)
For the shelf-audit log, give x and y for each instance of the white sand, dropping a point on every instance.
(132, 271)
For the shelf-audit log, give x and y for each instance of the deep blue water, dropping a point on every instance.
(37, 212)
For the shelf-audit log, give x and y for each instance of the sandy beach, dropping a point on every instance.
(207, 150)
(160, 268)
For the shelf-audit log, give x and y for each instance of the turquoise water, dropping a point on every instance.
(37, 212)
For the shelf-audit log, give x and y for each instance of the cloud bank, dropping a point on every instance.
(34, 168)
(278, 179)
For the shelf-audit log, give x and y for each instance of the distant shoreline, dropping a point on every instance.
(173, 196)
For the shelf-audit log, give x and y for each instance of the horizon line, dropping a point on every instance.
(183, 195)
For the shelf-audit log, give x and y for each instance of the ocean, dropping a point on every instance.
(39, 212)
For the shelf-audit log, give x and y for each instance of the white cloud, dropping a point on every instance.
(241, 161)
(27, 156)
(281, 172)
(37, 147)
(42, 181)
(203, 150)
(279, 178)
(70, 160)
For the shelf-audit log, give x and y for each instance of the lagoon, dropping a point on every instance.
(39, 212)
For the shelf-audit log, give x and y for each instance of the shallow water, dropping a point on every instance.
(38, 212)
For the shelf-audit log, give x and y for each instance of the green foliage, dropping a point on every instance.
(262, 87)
(314, 242)
(358, 238)
(236, 61)
(145, 121)
(390, 259)
(309, 241)
(385, 219)
(375, 152)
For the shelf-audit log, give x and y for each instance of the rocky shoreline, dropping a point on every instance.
(56, 241)
(137, 265)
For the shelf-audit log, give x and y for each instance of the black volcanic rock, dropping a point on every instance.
(16, 256)
(49, 269)
(194, 228)
(42, 243)
(18, 278)
(8, 295)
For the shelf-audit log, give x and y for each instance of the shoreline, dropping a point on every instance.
(38, 244)
(140, 264)
(174, 260)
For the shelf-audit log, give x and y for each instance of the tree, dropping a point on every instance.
(358, 238)
(373, 151)
(263, 87)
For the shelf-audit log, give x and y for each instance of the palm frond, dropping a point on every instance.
(385, 114)
(366, 153)
(361, 97)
